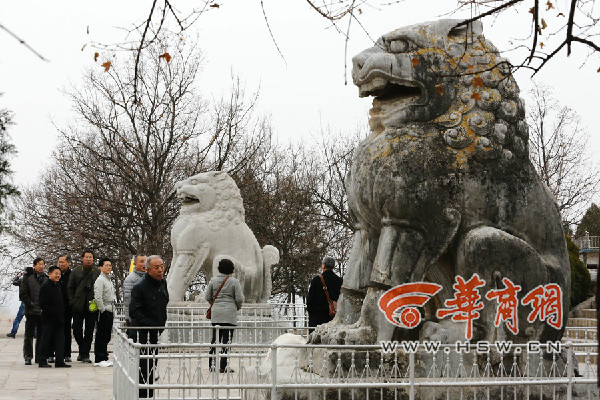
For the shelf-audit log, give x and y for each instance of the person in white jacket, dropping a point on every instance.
(104, 294)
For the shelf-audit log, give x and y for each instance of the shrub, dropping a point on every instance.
(581, 283)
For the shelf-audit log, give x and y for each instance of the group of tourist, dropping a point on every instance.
(62, 301)
(83, 299)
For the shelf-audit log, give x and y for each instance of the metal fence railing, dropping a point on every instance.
(588, 242)
(252, 367)
(292, 315)
(580, 334)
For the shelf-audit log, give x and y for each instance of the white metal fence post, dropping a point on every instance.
(274, 372)
(569, 370)
(136, 373)
(411, 376)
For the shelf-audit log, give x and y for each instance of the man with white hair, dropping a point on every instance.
(148, 309)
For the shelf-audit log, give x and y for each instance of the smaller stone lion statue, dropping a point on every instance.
(211, 226)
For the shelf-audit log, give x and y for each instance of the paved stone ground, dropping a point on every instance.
(20, 381)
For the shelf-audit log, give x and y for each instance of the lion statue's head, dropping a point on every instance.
(214, 195)
(445, 73)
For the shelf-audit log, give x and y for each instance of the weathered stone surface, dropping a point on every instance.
(443, 187)
(211, 226)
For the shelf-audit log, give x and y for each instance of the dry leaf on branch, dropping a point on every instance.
(166, 56)
(549, 5)
(96, 56)
(544, 25)
(106, 66)
(214, 5)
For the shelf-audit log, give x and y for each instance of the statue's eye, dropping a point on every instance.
(399, 46)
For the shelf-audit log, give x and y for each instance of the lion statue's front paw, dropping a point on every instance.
(357, 333)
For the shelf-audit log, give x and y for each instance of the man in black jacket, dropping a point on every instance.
(316, 301)
(148, 308)
(64, 263)
(81, 291)
(53, 320)
(29, 293)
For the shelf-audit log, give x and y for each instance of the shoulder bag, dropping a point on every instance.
(208, 312)
(332, 304)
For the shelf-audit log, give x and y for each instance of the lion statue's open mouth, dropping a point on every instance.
(384, 89)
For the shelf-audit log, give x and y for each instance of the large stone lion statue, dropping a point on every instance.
(211, 226)
(443, 187)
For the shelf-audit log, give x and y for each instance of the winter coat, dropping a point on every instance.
(64, 282)
(104, 293)
(18, 279)
(81, 288)
(149, 299)
(228, 302)
(51, 301)
(132, 279)
(316, 301)
(29, 292)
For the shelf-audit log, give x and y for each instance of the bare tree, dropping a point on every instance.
(554, 26)
(334, 157)
(111, 184)
(281, 211)
(559, 152)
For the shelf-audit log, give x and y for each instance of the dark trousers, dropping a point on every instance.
(225, 337)
(103, 333)
(148, 366)
(67, 333)
(33, 327)
(84, 338)
(53, 340)
(317, 318)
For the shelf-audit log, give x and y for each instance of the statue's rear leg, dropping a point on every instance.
(495, 254)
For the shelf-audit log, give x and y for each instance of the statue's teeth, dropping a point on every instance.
(378, 83)
(374, 85)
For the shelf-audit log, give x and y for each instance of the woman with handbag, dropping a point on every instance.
(224, 293)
